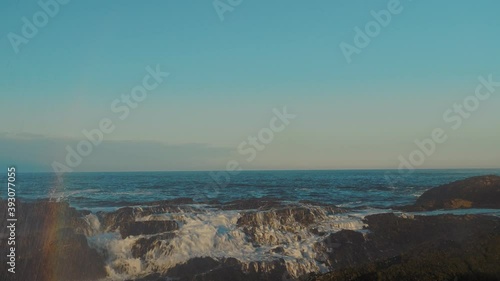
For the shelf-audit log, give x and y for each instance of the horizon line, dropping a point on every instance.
(258, 170)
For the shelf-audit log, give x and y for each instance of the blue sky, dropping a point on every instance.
(227, 76)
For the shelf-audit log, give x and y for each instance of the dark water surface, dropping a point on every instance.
(348, 188)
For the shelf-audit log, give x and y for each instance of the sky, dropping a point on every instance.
(231, 65)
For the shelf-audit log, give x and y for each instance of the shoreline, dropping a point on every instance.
(262, 239)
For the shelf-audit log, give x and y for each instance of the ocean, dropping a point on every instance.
(345, 188)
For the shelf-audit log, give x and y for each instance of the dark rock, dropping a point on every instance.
(391, 235)
(232, 269)
(475, 192)
(147, 227)
(120, 218)
(47, 245)
(441, 247)
(474, 259)
(117, 219)
(346, 248)
(278, 250)
(209, 269)
(193, 267)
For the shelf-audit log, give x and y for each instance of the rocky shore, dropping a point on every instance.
(58, 242)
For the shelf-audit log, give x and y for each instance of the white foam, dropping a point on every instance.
(94, 224)
(121, 264)
(215, 233)
(62, 195)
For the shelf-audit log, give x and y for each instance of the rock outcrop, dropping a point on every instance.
(475, 192)
(50, 244)
(423, 248)
(266, 227)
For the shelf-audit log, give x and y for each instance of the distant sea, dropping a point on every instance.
(345, 188)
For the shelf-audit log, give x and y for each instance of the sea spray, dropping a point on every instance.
(259, 239)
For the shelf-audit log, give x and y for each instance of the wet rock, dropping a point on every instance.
(441, 247)
(122, 217)
(117, 219)
(36, 216)
(268, 270)
(147, 227)
(193, 267)
(346, 248)
(232, 269)
(210, 269)
(474, 259)
(74, 258)
(475, 192)
(144, 245)
(269, 227)
(316, 231)
(47, 245)
(282, 217)
(278, 250)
